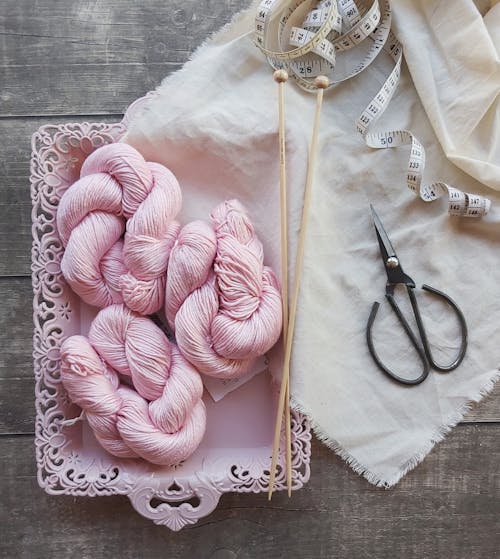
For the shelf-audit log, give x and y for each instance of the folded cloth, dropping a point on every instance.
(214, 123)
(457, 77)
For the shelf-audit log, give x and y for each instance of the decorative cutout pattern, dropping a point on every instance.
(69, 461)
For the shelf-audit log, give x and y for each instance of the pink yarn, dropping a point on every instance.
(163, 419)
(119, 190)
(222, 302)
(140, 393)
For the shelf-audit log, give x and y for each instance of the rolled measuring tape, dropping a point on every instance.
(308, 38)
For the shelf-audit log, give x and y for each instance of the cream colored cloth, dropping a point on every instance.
(457, 77)
(214, 123)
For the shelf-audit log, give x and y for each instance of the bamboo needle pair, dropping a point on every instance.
(321, 83)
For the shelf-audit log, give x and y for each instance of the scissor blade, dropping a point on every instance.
(386, 248)
(392, 265)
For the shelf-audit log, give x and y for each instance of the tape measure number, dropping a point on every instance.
(305, 37)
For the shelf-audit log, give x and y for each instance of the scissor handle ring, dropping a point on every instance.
(406, 326)
(423, 334)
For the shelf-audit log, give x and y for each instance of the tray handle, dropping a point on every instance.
(177, 504)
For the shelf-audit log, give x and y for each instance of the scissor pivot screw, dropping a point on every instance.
(392, 262)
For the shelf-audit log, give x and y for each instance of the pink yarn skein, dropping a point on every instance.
(222, 302)
(118, 190)
(163, 419)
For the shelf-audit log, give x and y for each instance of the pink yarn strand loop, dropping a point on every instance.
(117, 223)
(222, 302)
(140, 396)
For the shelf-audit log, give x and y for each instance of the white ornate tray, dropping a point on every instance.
(236, 450)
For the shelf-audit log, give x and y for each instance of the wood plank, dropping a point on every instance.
(97, 32)
(447, 507)
(17, 406)
(96, 57)
(15, 202)
(16, 329)
(66, 89)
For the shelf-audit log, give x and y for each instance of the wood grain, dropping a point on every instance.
(16, 329)
(104, 32)
(448, 507)
(96, 57)
(15, 202)
(87, 60)
(108, 88)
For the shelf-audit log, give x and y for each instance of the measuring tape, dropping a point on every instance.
(305, 38)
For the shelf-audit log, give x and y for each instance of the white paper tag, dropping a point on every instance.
(218, 387)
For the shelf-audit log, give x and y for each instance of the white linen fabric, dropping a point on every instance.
(214, 123)
(457, 77)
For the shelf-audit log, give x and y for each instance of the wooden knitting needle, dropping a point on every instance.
(321, 83)
(281, 77)
(288, 439)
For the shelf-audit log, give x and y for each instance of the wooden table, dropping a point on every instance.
(87, 60)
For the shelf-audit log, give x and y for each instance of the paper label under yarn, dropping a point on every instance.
(218, 388)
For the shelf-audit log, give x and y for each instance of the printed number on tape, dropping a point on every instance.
(305, 37)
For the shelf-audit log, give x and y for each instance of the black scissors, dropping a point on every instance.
(396, 276)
